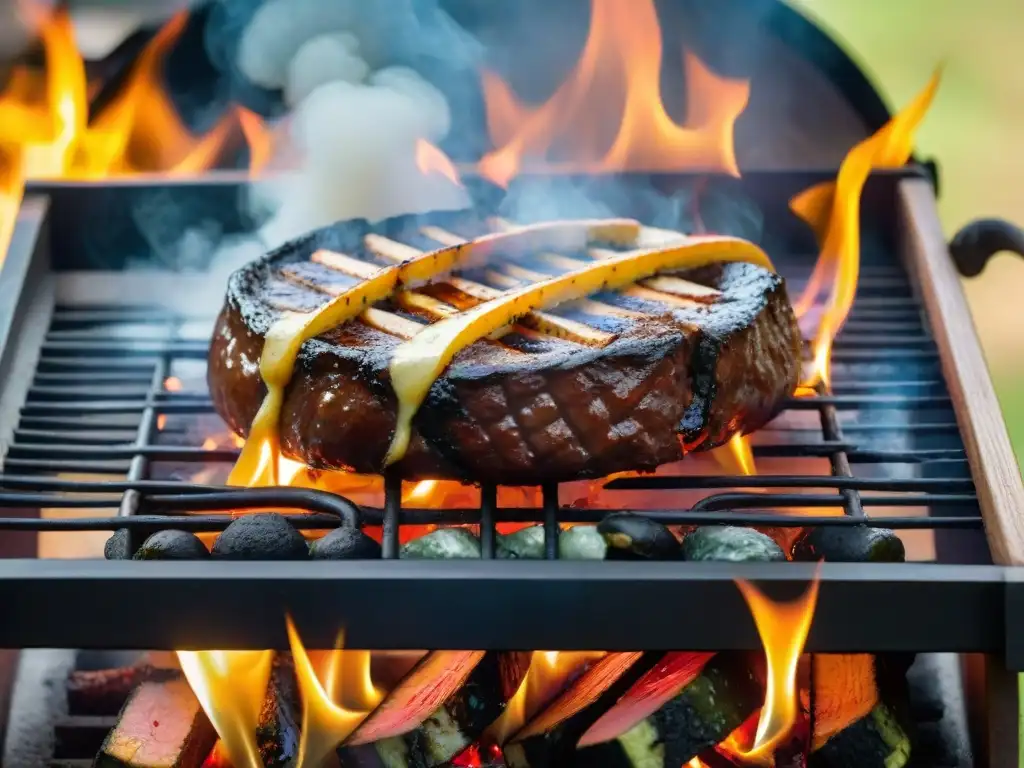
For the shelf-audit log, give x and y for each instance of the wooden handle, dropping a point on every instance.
(979, 241)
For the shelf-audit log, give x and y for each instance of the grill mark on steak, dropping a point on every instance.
(529, 408)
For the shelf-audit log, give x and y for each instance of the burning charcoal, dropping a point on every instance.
(160, 726)
(118, 546)
(730, 544)
(345, 543)
(635, 537)
(524, 544)
(712, 706)
(582, 542)
(452, 727)
(104, 691)
(847, 687)
(172, 545)
(277, 735)
(443, 544)
(262, 536)
(850, 544)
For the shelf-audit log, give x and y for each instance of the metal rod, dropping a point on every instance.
(392, 515)
(549, 498)
(488, 510)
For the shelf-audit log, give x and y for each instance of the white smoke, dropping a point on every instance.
(354, 126)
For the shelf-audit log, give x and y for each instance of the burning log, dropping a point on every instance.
(858, 698)
(712, 704)
(277, 736)
(104, 691)
(162, 725)
(551, 735)
(452, 727)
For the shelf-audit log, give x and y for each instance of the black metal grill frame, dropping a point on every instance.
(499, 604)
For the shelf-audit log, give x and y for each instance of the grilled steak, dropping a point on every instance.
(639, 377)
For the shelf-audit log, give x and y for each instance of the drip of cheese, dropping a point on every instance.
(418, 362)
(258, 463)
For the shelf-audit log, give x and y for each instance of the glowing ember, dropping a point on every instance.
(430, 159)
(839, 230)
(230, 686)
(548, 674)
(334, 703)
(783, 628)
(619, 69)
(173, 384)
(421, 492)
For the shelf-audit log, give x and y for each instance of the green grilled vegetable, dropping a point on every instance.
(582, 542)
(345, 543)
(524, 544)
(850, 544)
(443, 544)
(877, 740)
(262, 536)
(635, 537)
(730, 544)
(172, 545)
(718, 701)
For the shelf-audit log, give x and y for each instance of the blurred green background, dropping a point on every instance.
(975, 130)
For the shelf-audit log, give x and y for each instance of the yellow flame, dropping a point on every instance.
(430, 159)
(609, 110)
(783, 628)
(839, 232)
(545, 678)
(231, 687)
(736, 457)
(333, 708)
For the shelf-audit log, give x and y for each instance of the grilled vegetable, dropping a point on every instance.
(582, 542)
(453, 726)
(877, 740)
(172, 545)
(731, 544)
(524, 544)
(118, 546)
(443, 544)
(417, 363)
(850, 544)
(277, 735)
(263, 536)
(709, 708)
(635, 537)
(345, 543)
(161, 725)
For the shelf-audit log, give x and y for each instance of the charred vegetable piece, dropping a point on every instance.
(850, 544)
(582, 542)
(877, 740)
(263, 536)
(161, 725)
(277, 735)
(453, 727)
(345, 543)
(707, 710)
(732, 544)
(172, 545)
(118, 546)
(635, 537)
(524, 544)
(443, 544)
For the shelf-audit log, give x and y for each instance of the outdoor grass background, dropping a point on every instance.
(975, 129)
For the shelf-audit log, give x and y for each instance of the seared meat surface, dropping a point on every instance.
(663, 373)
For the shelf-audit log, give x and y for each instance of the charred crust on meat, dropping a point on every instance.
(526, 408)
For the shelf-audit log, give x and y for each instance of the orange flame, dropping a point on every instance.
(430, 159)
(736, 457)
(834, 213)
(332, 707)
(783, 628)
(231, 686)
(546, 677)
(259, 138)
(173, 384)
(619, 69)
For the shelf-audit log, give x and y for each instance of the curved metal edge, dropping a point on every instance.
(980, 240)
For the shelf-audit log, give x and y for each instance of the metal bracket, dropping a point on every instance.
(1013, 612)
(977, 242)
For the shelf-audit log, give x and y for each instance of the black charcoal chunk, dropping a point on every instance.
(172, 545)
(263, 536)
